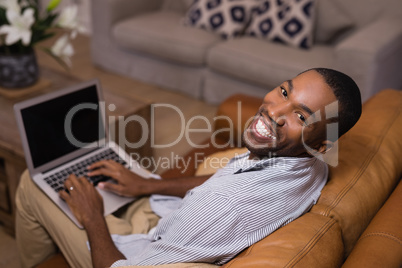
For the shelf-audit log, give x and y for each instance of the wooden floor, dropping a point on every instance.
(167, 120)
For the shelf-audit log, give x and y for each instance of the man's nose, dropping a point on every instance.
(278, 112)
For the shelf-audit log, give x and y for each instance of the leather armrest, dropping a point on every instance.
(381, 243)
(234, 114)
(310, 241)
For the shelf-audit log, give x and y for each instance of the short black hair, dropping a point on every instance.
(348, 95)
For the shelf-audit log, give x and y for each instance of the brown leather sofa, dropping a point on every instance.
(368, 171)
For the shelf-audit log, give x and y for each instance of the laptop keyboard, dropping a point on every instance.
(56, 181)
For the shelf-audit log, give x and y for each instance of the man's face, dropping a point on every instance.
(284, 115)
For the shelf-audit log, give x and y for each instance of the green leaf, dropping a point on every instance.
(40, 36)
(3, 18)
(52, 5)
(50, 19)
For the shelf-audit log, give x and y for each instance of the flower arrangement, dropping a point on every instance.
(23, 24)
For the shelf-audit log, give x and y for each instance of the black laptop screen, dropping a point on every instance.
(62, 125)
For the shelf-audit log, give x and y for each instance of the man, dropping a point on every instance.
(256, 193)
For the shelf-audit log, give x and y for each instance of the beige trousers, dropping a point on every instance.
(42, 229)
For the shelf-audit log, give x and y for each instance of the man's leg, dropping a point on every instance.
(41, 225)
(139, 215)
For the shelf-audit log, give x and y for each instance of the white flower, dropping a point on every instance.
(63, 49)
(69, 18)
(10, 5)
(20, 26)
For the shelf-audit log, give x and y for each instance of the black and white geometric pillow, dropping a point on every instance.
(225, 17)
(289, 22)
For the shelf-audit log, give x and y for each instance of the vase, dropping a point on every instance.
(18, 70)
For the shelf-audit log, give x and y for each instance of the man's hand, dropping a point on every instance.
(128, 183)
(83, 199)
(132, 185)
(87, 205)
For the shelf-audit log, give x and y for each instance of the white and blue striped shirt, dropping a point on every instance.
(238, 206)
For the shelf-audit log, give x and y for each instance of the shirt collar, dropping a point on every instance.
(243, 164)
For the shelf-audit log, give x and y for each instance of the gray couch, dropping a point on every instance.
(145, 40)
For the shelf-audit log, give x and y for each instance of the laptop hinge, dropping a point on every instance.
(71, 160)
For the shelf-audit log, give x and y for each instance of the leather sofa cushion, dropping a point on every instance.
(162, 35)
(309, 241)
(381, 243)
(369, 167)
(233, 115)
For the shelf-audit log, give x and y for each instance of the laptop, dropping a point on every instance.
(62, 133)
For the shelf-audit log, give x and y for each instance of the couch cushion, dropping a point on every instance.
(161, 34)
(381, 243)
(180, 6)
(262, 63)
(369, 167)
(331, 20)
(309, 241)
(224, 17)
(363, 12)
(288, 22)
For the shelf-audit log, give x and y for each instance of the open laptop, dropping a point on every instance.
(62, 133)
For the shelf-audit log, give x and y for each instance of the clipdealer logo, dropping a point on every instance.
(147, 130)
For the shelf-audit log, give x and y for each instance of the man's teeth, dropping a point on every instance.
(262, 130)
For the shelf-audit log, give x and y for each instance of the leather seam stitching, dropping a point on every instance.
(311, 244)
(358, 175)
(383, 234)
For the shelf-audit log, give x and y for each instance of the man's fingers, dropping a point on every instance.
(104, 172)
(115, 188)
(103, 163)
(97, 164)
(75, 184)
(64, 195)
(71, 181)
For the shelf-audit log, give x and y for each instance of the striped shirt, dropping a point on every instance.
(238, 206)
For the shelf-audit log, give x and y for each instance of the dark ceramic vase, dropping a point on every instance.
(18, 70)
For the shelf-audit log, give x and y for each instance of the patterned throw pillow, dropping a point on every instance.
(225, 17)
(286, 21)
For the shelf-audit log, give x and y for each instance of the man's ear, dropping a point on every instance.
(325, 146)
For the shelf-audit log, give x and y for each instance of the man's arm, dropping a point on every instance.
(87, 205)
(130, 184)
(103, 251)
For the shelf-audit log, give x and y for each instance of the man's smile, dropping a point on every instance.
(263, 131)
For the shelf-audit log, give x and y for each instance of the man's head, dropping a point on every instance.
(297, 112)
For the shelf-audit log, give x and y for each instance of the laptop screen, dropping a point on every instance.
(62, 125)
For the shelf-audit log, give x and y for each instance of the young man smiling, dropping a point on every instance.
(256, 193)
(287, 113)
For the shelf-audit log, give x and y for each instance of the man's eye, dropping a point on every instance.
(284, 92)
(301, 117)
